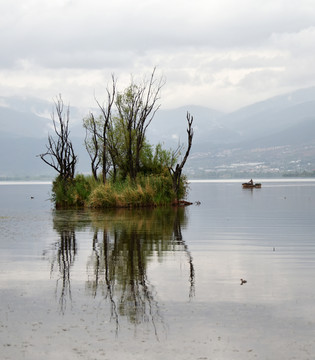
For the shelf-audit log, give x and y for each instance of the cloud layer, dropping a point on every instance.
(222, 54)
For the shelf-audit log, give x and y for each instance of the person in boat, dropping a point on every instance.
(251, 182)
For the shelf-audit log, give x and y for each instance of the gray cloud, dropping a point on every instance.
(206, 48)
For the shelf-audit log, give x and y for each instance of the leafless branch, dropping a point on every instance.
(60, 154)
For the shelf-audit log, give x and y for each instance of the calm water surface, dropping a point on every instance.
(162, 283)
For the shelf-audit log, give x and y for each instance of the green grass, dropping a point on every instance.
(85, 191)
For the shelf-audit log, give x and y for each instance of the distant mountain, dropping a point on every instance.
(271, 137)
(274, 104)
(169, 126)
(256, 121)
(14, 123)
(19, 157)
(250, 124)
(294, 135)
(31, 117)
(24, 127)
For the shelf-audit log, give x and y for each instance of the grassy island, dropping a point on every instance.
(126, 171)
(146, 191)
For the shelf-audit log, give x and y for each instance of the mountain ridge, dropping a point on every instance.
(283, 121)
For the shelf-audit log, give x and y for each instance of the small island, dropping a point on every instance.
(126, 171)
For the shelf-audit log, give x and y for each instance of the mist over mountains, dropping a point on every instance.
(269, 138)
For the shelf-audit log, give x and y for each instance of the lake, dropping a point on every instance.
(160, 283)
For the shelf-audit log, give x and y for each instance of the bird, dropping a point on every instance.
(32, 197)
(243, 281)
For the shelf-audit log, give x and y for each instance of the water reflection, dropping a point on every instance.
(65, 257)
(123, 242)
(62, 256)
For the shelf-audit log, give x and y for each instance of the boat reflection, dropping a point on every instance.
(123, 243)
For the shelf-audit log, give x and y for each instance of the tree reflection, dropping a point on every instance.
(63, 258)
(64, 251)
(123, 244)
(180, 241)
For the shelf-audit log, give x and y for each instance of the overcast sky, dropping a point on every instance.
(223, 54)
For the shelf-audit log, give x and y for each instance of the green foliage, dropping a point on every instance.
(59, 191)
(85, 191)
(155, 163)
(103, 196)
(119, 139)
(183, 187)
(92, 141)
(149, 190)
(71, 193)
(82, 189)
(160, 185)
(136, 107)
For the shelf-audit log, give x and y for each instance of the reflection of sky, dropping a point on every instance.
(265, 236)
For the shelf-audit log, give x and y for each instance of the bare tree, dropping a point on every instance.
(177, 172)
(60, 154)
(106, 113)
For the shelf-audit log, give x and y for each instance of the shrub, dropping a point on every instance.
(103, 196)
(71, 193)
(79, 191)
(148, 190)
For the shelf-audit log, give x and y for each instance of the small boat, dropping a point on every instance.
(251, 185)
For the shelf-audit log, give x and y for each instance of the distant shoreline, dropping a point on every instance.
(24, 182)
(266, 180)
(261, 180)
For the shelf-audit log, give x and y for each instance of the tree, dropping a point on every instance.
(117, 149)
(97, 134)
(60, 154)
(106, 118)
(91, 143)
(136, 107)
(116, 139)
(177, 172)
(154, 160)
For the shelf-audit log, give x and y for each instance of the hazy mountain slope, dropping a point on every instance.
(169, 126)
(19, 156)
(272, 121)
(213, 128)
(290, 151)
(272, 115)
(295, 135)
(276, 103)
(275, 132)
(32, 117)
(15, 123)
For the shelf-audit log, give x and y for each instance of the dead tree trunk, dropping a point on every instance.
(60, 154)
(177, 172)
